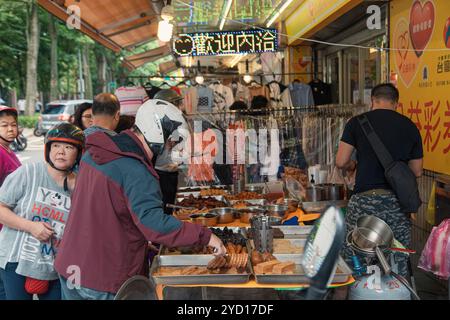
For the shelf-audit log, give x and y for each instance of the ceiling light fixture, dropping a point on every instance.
(225, 13)
(165, 28)
(199, 79)
(278, 12)
(247, 77)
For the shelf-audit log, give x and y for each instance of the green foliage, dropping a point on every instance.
(28, 121)
(13, 54)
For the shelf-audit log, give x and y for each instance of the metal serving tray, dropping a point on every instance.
(194, 260)
(252, 202)
(299, 276)
(295, 232)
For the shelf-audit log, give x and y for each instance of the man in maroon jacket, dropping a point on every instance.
(117, 208)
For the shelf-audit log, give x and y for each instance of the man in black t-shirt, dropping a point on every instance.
(372, 193)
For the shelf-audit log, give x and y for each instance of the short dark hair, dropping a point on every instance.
(259, 102)
(126, 122)
(238, 105)
(386, 91)
(79, 113)
(105, 104)
(11, 113)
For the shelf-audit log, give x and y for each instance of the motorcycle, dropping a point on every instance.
(20, 143)
(37, 132)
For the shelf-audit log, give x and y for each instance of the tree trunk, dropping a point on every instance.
(54, 81)
(32, 57)
(101, 72)
(87, 73)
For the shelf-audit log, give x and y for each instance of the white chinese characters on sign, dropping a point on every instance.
(222, 43)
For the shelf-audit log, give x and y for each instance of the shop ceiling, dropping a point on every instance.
(127, 24)
(346, 25)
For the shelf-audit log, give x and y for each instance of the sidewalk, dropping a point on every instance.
(28, 132)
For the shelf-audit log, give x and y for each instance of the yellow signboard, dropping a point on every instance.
(311, 15)
(420, 65)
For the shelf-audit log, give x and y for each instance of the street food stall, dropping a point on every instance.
(262, 252)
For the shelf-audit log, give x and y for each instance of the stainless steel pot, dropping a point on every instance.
(226, 215)
(277, 210)
(254, 188)
(373, 234)
(314, 194)
(332, 191)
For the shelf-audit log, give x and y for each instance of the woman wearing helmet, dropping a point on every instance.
(8, 133)
(34, 207)
(8, 159)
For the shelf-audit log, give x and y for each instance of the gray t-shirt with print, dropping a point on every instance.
(31, 193)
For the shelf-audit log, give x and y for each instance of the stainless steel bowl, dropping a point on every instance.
(275, 221)
(278, 210)
(226, 214)
(245, 214)
(291, 203)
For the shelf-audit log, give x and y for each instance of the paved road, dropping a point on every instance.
(35, 149)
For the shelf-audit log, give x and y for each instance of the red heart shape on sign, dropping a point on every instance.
(421, 24)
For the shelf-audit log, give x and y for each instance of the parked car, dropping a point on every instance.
(56, 112)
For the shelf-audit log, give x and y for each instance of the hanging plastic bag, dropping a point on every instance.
(200, 170)
(435, 256)
(430, 216)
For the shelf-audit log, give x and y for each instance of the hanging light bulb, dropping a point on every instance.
(165, 31)
(247, 78)
(199, 79)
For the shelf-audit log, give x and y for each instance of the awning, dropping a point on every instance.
(115, 24)
(312, 15)
(140, 59)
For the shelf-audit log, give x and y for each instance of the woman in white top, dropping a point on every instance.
(34, 207)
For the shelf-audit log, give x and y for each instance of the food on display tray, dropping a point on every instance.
(212, 192)
(241, 205)
(266, 263)
(287, 246)
(234, 242)
(245, 195)
(201, 203)
(238, 261)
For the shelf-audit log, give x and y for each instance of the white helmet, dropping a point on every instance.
(159, 120)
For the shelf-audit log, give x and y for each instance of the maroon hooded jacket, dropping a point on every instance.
(116, 209)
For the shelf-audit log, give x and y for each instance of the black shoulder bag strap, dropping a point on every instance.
(378, 147)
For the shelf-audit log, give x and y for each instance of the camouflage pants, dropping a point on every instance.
(387, 208)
